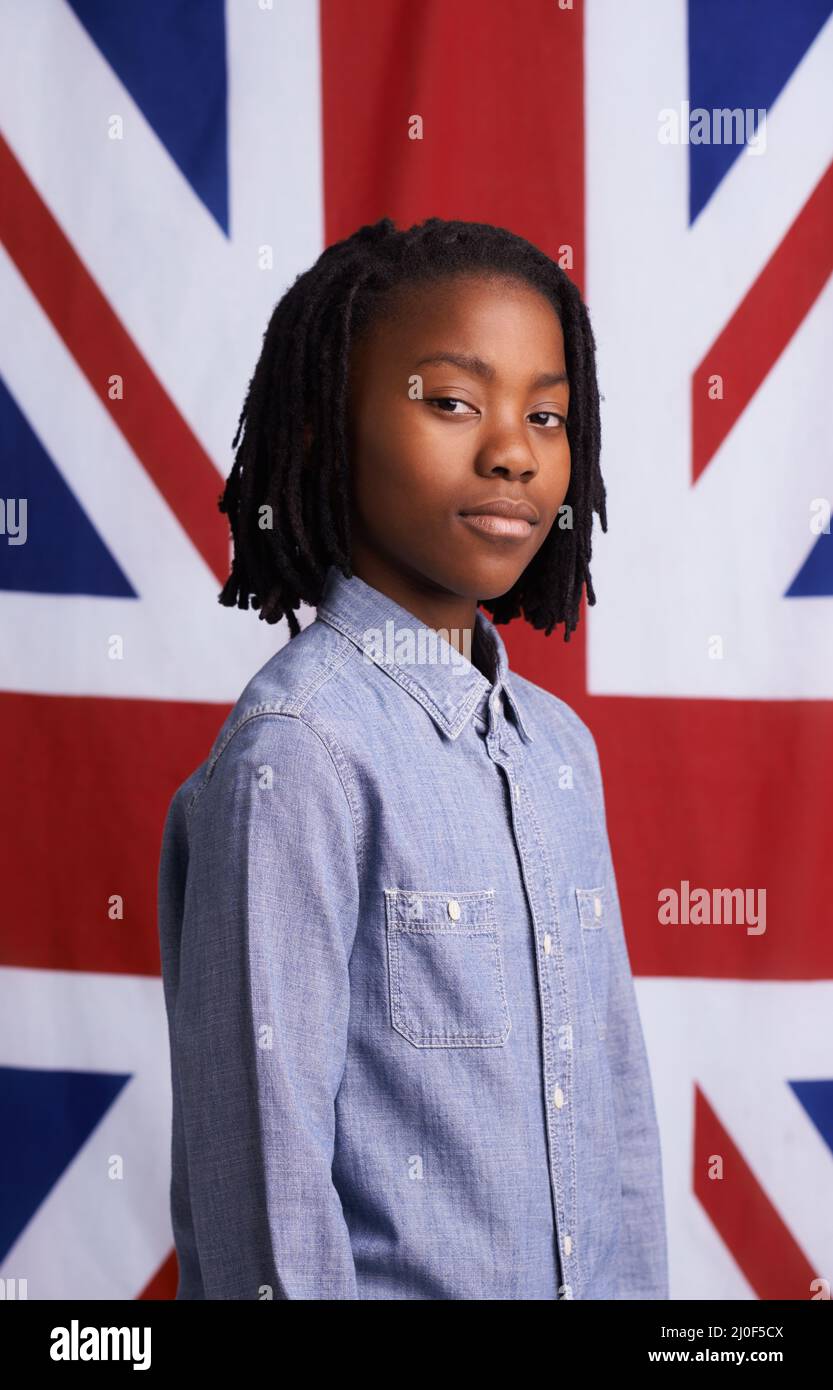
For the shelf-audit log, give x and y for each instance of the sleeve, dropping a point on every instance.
(643, 1262)
(258, 997)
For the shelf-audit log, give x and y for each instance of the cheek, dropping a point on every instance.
(407, 468)
(559, 465)
(390, 482)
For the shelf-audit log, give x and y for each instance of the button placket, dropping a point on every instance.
(556, 1062)
(540, 894)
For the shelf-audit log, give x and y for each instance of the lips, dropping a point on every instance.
(505, 527)
(503, 506)
(502, 517)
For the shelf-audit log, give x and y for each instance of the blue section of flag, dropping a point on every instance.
(817, 1099)
(741, 54)
(45, 1119)
(62, 552)
(171, 57)
(815, 578)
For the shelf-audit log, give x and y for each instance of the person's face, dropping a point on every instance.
(488, 423)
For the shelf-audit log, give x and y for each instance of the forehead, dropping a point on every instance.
(501, 318)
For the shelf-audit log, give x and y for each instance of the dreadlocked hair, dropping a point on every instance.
(287, 495)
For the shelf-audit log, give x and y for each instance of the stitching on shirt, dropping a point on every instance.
(398, 924)
(336, 756)
(335, 753)
(331, 667)
(572, 1215)
(594, 928)
(400, 675)
(408, 684)
(296, 706)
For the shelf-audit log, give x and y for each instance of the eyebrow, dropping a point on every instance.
(478, 367)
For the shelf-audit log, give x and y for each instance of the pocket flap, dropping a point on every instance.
(437, 910)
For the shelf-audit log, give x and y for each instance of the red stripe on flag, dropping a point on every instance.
(164, 1282)
(763, 324)
(88, 786)
(761, 1244)
(722, 794)
(158, 435)
(502, 105)
(500, 96)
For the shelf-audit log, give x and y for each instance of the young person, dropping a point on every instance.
(407, 1061)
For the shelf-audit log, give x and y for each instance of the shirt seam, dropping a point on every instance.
(335, 755)
(293, 709)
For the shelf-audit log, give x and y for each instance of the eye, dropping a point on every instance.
(558, 421)
(450, 400)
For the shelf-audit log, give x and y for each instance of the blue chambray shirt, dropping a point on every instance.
(406, 1056)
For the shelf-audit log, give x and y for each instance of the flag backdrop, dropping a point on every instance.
(169, 166)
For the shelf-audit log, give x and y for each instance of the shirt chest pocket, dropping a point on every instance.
(445, 968)
(596, 951)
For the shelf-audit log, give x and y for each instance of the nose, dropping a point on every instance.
(506, 455)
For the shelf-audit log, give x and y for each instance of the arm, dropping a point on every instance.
(642, 1262)
(257, 990)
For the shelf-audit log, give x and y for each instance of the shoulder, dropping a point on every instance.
(281, 717)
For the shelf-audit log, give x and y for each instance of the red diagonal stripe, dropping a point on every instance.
(763, 324)
(164, 1282)
(763, 1247)
(147, 417)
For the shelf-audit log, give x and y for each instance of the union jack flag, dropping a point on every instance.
(168, 169)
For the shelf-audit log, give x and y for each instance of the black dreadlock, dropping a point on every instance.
(300, 384)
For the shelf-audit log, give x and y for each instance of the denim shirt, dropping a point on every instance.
(406, 1056)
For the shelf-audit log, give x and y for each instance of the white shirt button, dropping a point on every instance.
(597, 905)
(568, 1245)
(453, 909)
(558, 1097)
(547, 943)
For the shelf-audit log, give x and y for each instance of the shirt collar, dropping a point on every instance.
(417, 657)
